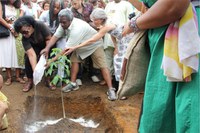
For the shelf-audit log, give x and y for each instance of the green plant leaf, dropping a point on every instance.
(55, 80)
(66, 81)
(62, 60)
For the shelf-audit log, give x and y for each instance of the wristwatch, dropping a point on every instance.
(133, 24)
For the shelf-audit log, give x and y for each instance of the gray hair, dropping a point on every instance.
(98, 13)
(66, 13)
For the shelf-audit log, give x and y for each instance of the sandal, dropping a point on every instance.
(8, 82)
(28, 87)
(20, 80)
(50, 85)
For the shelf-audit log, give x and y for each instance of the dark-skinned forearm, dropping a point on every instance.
(162, 12)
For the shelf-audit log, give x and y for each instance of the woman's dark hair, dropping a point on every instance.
(17, 4)
(51, 14)
(24, 21)
(4, 1)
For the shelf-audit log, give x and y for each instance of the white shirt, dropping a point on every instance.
(30, 11)
(117, 13)
(78, 32)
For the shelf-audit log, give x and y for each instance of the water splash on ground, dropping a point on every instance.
(36, 126)
(85, 123)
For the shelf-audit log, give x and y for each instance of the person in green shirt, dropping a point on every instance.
(168, 107)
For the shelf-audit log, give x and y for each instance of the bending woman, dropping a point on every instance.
(35, 37)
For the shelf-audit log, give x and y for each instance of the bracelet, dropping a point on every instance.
(133, 24)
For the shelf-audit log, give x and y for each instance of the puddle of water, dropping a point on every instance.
(85, 123)
(36, 126)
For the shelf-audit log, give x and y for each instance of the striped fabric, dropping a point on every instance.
(181, 48)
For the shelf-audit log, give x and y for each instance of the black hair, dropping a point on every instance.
(51, 11)
(4, 1)
(17, 4)
(24, 21)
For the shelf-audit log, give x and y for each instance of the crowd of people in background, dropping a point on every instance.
(46, 11)
(94, 35)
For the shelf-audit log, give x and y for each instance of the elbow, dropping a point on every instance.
(31, 55)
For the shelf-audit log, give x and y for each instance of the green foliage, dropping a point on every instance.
(63, 61)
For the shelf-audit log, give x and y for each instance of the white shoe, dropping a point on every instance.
(70, 87)
(79, 82)
(95, 79)
(3, 69)
(111, 94)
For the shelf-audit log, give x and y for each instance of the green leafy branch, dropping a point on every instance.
(62, 61)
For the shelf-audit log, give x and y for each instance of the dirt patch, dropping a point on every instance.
(44, 114)
(89, 102)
